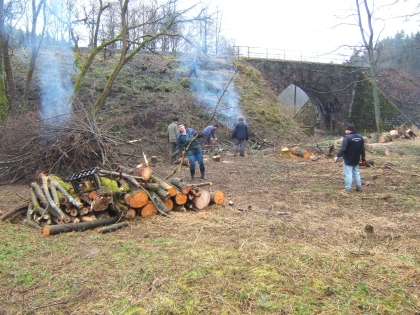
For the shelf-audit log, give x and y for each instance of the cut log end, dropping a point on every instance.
(217, 197)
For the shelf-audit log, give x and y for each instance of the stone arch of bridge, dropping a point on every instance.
(330, 87)
(325, 106)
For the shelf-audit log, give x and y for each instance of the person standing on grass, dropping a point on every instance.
(209, 133)
(353, 151)
(193, 69)
(193, 149)
(240, 137)
(173, 133)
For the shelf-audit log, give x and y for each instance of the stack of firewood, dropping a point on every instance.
(55, 206)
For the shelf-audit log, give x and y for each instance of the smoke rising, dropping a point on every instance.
(213, 77)
(55, 67)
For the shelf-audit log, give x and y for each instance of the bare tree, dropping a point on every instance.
(157, 22)
(9, 12)
(367, 33)
(35, 47)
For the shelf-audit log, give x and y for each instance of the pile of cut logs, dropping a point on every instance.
(56, 207)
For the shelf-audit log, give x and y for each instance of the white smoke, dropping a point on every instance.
(55, 68)
(213, 78)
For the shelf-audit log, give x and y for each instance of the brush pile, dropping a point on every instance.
(106, 200)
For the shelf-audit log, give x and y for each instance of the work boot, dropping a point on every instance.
(203, 176)
(192, 176)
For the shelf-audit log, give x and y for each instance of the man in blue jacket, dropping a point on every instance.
(240, 137)
(192, 148)
(353, 151)
(209, 133)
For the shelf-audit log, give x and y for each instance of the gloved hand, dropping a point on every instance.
(336, 159)
(363, 161)
(183, 153)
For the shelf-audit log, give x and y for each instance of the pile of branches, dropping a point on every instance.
(57, 146)
(107, 200)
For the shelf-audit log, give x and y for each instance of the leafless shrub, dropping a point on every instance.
(62, 146)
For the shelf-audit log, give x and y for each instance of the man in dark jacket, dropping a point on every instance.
(240, 137)
(192, 149)
(353, 151)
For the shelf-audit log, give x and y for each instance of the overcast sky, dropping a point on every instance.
(302, 25)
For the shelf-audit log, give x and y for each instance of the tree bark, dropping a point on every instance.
(144, 172)
(61, 189)
(79, 227)
(55, 210)
(169, 204)
(180, 184)
(160, 206)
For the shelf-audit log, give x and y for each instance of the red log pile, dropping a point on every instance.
(54, 207)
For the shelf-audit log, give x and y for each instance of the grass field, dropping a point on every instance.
(302, 246)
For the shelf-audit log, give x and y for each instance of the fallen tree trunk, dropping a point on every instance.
(300, 152)
(79, 227)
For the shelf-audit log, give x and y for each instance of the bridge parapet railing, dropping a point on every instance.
(293, 55)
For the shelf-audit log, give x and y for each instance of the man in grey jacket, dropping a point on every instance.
(173, 133)
(240, 137)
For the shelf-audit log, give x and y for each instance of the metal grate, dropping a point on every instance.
(85, 181)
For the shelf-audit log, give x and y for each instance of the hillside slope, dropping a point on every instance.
(152, 89)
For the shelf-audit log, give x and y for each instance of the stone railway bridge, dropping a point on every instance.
(337, 94)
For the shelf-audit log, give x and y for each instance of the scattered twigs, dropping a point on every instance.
(15, 211)
(112, 227)
(264, 212)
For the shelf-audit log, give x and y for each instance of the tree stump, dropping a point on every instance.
(285, 151)
(216, 158)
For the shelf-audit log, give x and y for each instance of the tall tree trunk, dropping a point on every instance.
(34, 50)
(4, 110)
